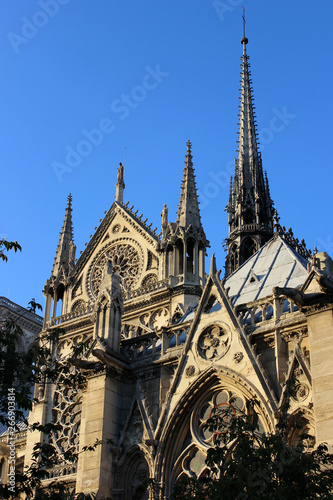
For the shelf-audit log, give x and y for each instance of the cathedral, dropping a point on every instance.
(168, 340)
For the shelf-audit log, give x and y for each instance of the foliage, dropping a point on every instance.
(245, 464)
(8, 245)
(20, 370)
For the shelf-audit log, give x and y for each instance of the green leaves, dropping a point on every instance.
(8, 245)
(20, 371)
(245, 464)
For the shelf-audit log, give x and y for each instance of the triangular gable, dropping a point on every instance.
(108, 228)
(320, 278)
(228, 348)
(133, 429)
(300, 372)
(139, 419)
(130, 245)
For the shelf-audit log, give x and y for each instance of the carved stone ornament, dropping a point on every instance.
(238, 356)
(116, 228)
(300, 392)
(126, 260)
(214, 342)
(190, 370)
(141, 474)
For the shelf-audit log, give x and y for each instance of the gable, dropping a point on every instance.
(216, 341)
(128, 243)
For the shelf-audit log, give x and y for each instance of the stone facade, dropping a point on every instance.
(169, 342)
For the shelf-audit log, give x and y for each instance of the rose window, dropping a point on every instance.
(214, 342)
(126, 262)
(225, 405)
(67, 415)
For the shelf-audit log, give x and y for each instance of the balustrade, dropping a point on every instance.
(265, 309)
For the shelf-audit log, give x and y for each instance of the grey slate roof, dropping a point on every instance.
(274, 264)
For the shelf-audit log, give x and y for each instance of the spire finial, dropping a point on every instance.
(244, 40)
(69, 201)
(213, 269)
(120, 186)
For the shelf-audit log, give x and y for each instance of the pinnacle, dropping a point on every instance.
(188, 208)
(65, 240)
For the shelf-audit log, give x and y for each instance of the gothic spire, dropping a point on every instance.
(64, 258)
(249, 161)
(184, 243)
(250, 206)
(188, 208)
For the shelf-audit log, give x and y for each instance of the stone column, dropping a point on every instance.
(101, 418)
(320, 326)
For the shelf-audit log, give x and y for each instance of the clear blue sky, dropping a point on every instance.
(151, 75)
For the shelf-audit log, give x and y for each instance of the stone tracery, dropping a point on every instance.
(214, 342)
(126, 262)
(66, 413)
(191, 454)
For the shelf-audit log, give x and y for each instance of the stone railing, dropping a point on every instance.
(147, 289)
(249, 227)
(69, 316)
(62, 471)
(172, 281)
(20, 310)
(265, 309)
(143, 345)
(155, 342)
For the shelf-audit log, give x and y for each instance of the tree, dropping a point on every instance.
(245, 464)
(8, 245)
(20, 371)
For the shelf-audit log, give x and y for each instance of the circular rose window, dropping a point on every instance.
(214, 342)
(126, 262)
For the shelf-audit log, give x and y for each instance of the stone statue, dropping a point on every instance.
(120, 175)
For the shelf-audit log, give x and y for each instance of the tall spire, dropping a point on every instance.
(188, 208)
(184, 243)
(65, 253)
(250, 206)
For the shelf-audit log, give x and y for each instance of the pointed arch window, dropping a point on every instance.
(233, 258)
(190, 256)
(249, 217)
(180, 256)
(249, 247)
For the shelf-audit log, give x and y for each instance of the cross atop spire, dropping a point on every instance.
(244, 39)
(66, 249)
(188, 208)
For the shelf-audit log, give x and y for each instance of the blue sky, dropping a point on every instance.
(150, 75)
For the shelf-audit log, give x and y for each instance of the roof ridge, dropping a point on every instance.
(139, 219)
